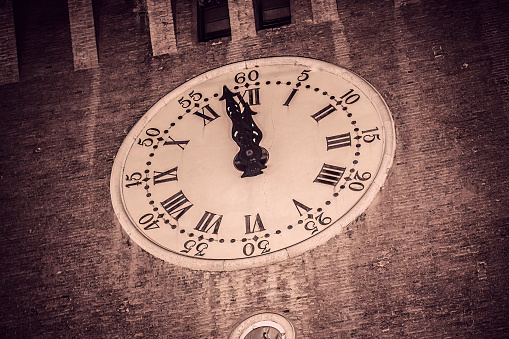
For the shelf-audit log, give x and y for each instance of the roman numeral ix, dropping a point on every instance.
(169, 175)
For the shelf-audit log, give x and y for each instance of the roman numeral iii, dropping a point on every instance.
(340, 140)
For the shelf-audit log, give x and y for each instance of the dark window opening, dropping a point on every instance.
(213, 19)
(272, 13)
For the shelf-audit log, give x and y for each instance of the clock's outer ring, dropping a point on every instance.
(234, 264)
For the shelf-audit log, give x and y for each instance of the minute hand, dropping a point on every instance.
(245, 133)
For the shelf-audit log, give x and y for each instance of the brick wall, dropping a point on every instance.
(426, 259)
(8, 54)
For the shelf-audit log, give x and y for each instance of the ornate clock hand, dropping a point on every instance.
(251, 158)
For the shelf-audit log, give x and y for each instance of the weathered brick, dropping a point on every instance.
(8, 55)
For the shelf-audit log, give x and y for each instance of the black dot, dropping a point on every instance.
(267, 235)
(232, 241)
(317, 89)
(300, 222)
(165, 131)
(211, 239)
(358, 145)
(182, 231)
(216, 95)
(355, 162)
(173, 227)
(354, 122)
(191, 235)
(149, 163)
(187, 111)
(267, 83)
(236, 87)
(221, 241)
(146, 187)
(278, 232)
(356, 129)
(298, 84)
(151, 202)
(206, 99)
(149, 195)
(332, 97)
(166, 221)
(342, 186)
(318, 209)
(151, 155)
(290, 227)
(335, 194)
(147, 171)
(172, 124)
(308, 86)
(288, 83)
(349, 115)
(345, 108)
(357, 154)
(278, 82)
(327, 202)
(352, 170)
(155, 209)
(324, 93)
(348, 179)
(244, 239)
(257, 83)
(180, 116)
(155, 146)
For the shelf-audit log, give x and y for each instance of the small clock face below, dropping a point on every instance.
(252, 163)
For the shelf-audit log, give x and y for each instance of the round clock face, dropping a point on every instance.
(252, 163)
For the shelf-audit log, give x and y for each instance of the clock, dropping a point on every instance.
(252, 163)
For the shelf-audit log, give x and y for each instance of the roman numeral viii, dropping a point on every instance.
(330, 175)
(176, 205)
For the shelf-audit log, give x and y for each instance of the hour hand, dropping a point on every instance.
(251, 158)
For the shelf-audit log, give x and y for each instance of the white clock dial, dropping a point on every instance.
(252, 163)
